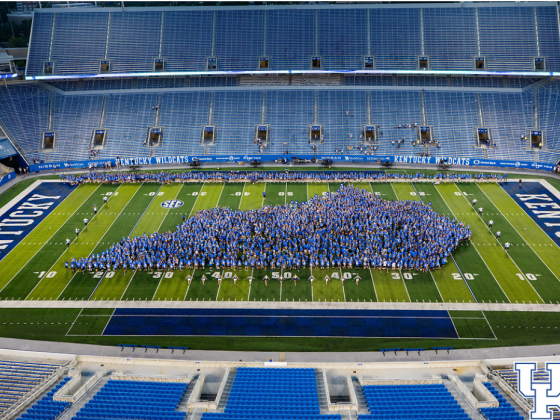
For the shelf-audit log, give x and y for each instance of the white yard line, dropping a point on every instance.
(475, 248)
(521, 236)
(374, 291)
(95, 245)
(66, 250)
(492, 233)
(159, 227)
(75, 319)
(45, 241)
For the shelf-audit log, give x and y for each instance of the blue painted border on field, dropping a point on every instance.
(27, 213)
(281, 323)
(539, 203)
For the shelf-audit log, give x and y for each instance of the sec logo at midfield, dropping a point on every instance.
(172, 204)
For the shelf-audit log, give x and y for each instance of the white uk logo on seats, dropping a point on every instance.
(545, 393)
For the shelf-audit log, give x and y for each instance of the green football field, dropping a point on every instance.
(481, 270)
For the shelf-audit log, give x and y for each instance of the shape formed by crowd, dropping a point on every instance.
(165, 177)
(350, 228)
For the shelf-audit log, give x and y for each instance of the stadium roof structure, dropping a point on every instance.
(517, 39)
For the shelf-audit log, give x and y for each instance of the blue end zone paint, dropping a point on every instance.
(539, 203)
(23, 217)
(281, 323)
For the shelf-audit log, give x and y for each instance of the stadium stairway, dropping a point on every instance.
(360, 397)
(78, 405)
(227, 390)
(321, 393)
(460, 398)
(184, 401)
(511, 402)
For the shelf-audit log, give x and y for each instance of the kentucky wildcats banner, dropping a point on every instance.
(182, 160)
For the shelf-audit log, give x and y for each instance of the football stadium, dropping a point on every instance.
(279, 210)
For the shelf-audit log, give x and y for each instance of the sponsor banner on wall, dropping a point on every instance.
(184, 160)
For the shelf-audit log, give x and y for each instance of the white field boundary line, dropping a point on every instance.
(110, 318)
(103, 237)
(550, 188)
(67, 248)
(12, 203)
(22, 194)
(42, 246)
(521, 236)
(212, 304)
(488, 322)
(472, 244)
(106, 232)
(492, 234)
(75, 319)
(454, 327)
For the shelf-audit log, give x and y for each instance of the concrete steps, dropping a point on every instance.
(74, 408)
(321, 392)
(472, 412)
(182, 406)
(227, 389)
(360, 397)
(513, 404)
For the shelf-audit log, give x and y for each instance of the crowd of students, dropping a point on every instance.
(352, 228)
(165, 177)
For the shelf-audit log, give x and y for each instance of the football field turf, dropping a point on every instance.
(481, 270)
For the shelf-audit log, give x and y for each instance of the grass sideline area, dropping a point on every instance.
(86, 326)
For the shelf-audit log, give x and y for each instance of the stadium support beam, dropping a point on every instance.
(537, 42)
(103, 112)
(263, 107)
(423, 50)
(368, 38)
(213, 33)
(539, 83)
(368, 104)
(479, 110)
(265, 29)
(158, 110)
(316, 32)
(107, 36)
(161, 34)
(51, 111)
(52, 36)
(478, 49)
(535, 108)
(315, 107)
(423, 108)
(211, 109)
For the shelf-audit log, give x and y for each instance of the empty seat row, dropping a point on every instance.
(504, 412)
(46, 408)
